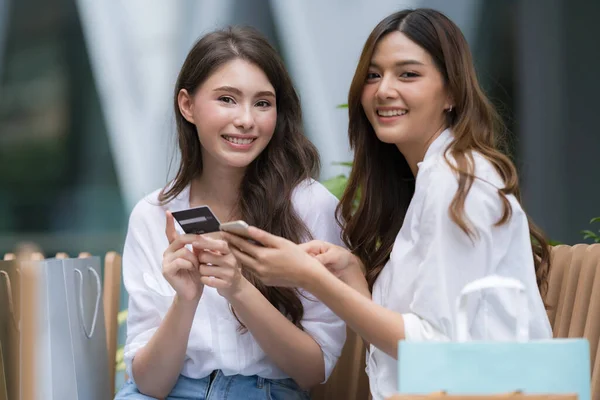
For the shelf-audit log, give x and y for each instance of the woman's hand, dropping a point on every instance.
(219, 267)
(337, 259)
(279, 263)
(180, 266)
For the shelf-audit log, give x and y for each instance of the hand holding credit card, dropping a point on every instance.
(239, 228)
(197, 220)
(200, 220)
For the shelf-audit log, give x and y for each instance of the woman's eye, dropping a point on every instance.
(372, 75)
(263, 103)
(227, 99)
(409, 75)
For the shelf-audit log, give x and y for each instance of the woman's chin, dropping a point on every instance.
(237, 162)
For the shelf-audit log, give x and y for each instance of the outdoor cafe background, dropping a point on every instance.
(85, 89)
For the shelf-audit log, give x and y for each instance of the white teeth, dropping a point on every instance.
(238, 140)
(390, 113)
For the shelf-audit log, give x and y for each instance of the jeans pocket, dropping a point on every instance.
(129, 391)
(284, 389)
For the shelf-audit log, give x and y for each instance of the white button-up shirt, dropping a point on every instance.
(433, 259)
(215, 341)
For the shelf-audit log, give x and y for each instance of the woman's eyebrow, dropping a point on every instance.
(231, 89)
(400, 63)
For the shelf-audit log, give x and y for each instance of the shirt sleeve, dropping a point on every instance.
(450, 258)
(325, 327)
(142, 279)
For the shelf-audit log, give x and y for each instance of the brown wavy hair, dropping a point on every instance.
(265, 196)
(371, 228)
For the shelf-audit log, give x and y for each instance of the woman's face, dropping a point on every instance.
(234, 112)
(404, 96)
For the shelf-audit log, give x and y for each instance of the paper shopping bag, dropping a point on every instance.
(53, 339)
(3, 390)
(9, 328)
(86, 323)
(554, 366)
(52, 363)
(509, 396)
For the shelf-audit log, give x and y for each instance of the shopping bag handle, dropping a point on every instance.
(491, 282)
(98, 291)
(11, 308)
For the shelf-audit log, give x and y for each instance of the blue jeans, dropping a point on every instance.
(221, 387)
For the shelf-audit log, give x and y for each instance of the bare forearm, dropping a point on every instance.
(295, 352)
(156, 366)
(356, 280)
(352, 302)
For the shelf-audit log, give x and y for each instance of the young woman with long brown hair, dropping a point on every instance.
(198, 326)
(439, 203)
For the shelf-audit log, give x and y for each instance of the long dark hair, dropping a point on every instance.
(370, 230)
(265, 197)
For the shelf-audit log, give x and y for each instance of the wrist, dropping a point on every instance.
(243, 287)
(187, 303)
(353, 271)
(356, 279)
(314, 276)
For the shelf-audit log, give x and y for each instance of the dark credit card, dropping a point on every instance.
(197, 220)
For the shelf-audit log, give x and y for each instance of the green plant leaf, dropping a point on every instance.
(587, 234)
(336, 185)
(597, 219)
(122, 317)
(554, 243)
(120, 354)
(120, 359)
(342, 106)
(344, 163)
(121, 367)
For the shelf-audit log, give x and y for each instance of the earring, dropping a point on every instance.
(449, 109)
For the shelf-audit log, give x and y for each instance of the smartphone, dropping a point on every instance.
(197, 220)
(239, 228)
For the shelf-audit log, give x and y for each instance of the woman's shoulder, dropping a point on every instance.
(311, 194)
(440, 184)
(316, 206)
(440, 174)
(149, 208)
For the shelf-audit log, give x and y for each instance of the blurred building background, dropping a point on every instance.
(86, 126)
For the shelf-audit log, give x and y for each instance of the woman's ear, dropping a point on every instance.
(449, 104)
(186, 105)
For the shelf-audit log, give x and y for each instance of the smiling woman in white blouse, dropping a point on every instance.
(199, 327)
(439, 203)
